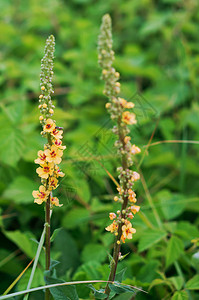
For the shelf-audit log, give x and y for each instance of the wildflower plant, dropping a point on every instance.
(50, 157)
(120, 111)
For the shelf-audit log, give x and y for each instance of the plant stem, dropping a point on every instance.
(124, 206)
(47, 242)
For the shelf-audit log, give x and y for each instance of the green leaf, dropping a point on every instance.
(38, 280)
(180, 295)
(94, 252)
(11, 146)
(157, 281)
(120, 275)
(99, 294)
(55, 232)
(149, 238)
(67, 292)
(177, 282)
(119, 289)
(23, 241)
(172, 205)
(174, 250)
(193, 283)
(65, 245)
(75, 218)
(20, 190)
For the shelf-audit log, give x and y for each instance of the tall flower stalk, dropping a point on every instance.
(50, 157)
(118, 108)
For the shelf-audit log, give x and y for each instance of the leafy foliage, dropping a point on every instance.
(157, 55)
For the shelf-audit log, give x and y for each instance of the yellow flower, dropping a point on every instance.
(41, 158)
(57, 133)
(127, 231)
(112, 216)
(128, 118)
(53, 155)
(125, 103)
(113, 227)
(46, 170)
(40, 195)
(49, 126)
(135, 149)
(132, 196)
(127, 139)
(58, 143)
(52, 183)
(135, 209)
(58, 172)
(55, 201)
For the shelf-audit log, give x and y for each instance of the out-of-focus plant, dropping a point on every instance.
(119, 112)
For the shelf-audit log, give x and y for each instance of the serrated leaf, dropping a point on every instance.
(23, 241)
(120, 275)
(180, 295)
(99, 294)
(75, 218)
(119, 289)
(193, 283)
(174, 250)
(177, 282)
(149, 238)
(20, 190)
(94, 252)
(155, 282)
(11, 146)
(66, 292)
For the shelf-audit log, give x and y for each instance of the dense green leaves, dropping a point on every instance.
(149, 238)
(156, 46)
(193, 283)
(174, 250)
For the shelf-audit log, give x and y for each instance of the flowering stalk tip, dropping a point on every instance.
(50, 157)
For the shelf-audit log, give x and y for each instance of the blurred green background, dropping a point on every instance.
(157, 54)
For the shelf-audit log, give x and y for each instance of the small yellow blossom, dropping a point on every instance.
(113, 227)
(112, 216)
(55, 201)
(41, 118)
(41, 158)
(40, 195)
(127, 139)
(53, 155)
(118, 242)
(126, 104)
(52, 183)
(46, 170)
(128, 118)
(108, 105)
(57, 133)
(128, 230)
(49, 126)
(116, 198)
(44, 105)
(58, 172)
(135, 209)
(58, 143)
(43, 88)
(135, 149)
(51, 111)
(40, 96)
(132, 196)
